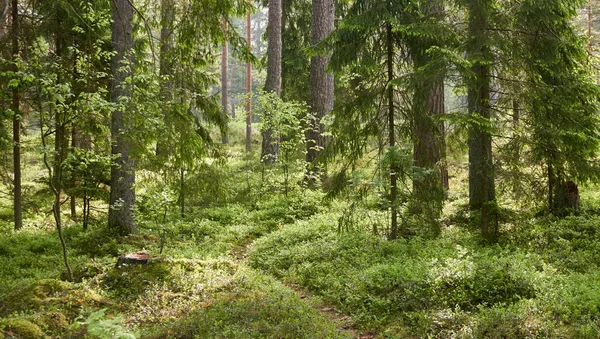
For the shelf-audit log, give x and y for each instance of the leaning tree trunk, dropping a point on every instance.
(482, 192)
(321, 81)
(122, 194)
(270, 147)
(16, 121)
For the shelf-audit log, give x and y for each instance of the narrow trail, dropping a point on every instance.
(343, 322)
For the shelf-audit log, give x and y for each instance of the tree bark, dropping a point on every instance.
(321, 81)
(270, 146)
(482, 191)
(249, 88)
(122, 194)
(16, 121)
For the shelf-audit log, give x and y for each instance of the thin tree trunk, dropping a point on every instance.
(590, 21)
(61, 142)
(122, 194)
(16, 121)
(249, 88)
(55, 188)
(321, 81)
(392, 131)
(224, 89)
(270, 145)
(73, 199)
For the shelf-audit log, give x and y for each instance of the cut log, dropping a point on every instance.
(129, 259)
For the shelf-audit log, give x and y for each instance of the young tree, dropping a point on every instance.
(122, 193)
(321, 81)
(270, 149)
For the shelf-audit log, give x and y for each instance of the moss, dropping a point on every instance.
(24, 329)
(53, 321)
(34, 296)
(131, 281)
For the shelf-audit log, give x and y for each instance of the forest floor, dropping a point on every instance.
(249, 261)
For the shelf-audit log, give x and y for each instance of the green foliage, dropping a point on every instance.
(98, 326)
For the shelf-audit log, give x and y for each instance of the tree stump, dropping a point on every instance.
(566, 198)
(130, 259)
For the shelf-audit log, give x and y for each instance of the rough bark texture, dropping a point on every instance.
(321, 81)
(270, 147)
(16, 122)
(482, 192)
(392, 131)
(122, 194)
(249, 88)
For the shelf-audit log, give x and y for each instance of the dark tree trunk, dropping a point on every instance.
(73, 199)
(249, 88)
(392, 131)
(16, 121)
(482, 191)
(224, 89)
(321, 81)
(270, 147)
(232, 110)
(122, 194)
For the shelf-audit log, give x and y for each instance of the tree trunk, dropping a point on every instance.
(73, 199)
(392, 131)
(224, 89)
(482, 192)
(321, 81)
(16, 121)
(429, 140)
(249, 88)
(270, 146)
(167, 39)
(61, 141)
(122, 194)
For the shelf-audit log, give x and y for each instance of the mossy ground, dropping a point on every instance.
(227, 267)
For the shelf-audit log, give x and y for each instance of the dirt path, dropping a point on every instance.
(342, 321)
